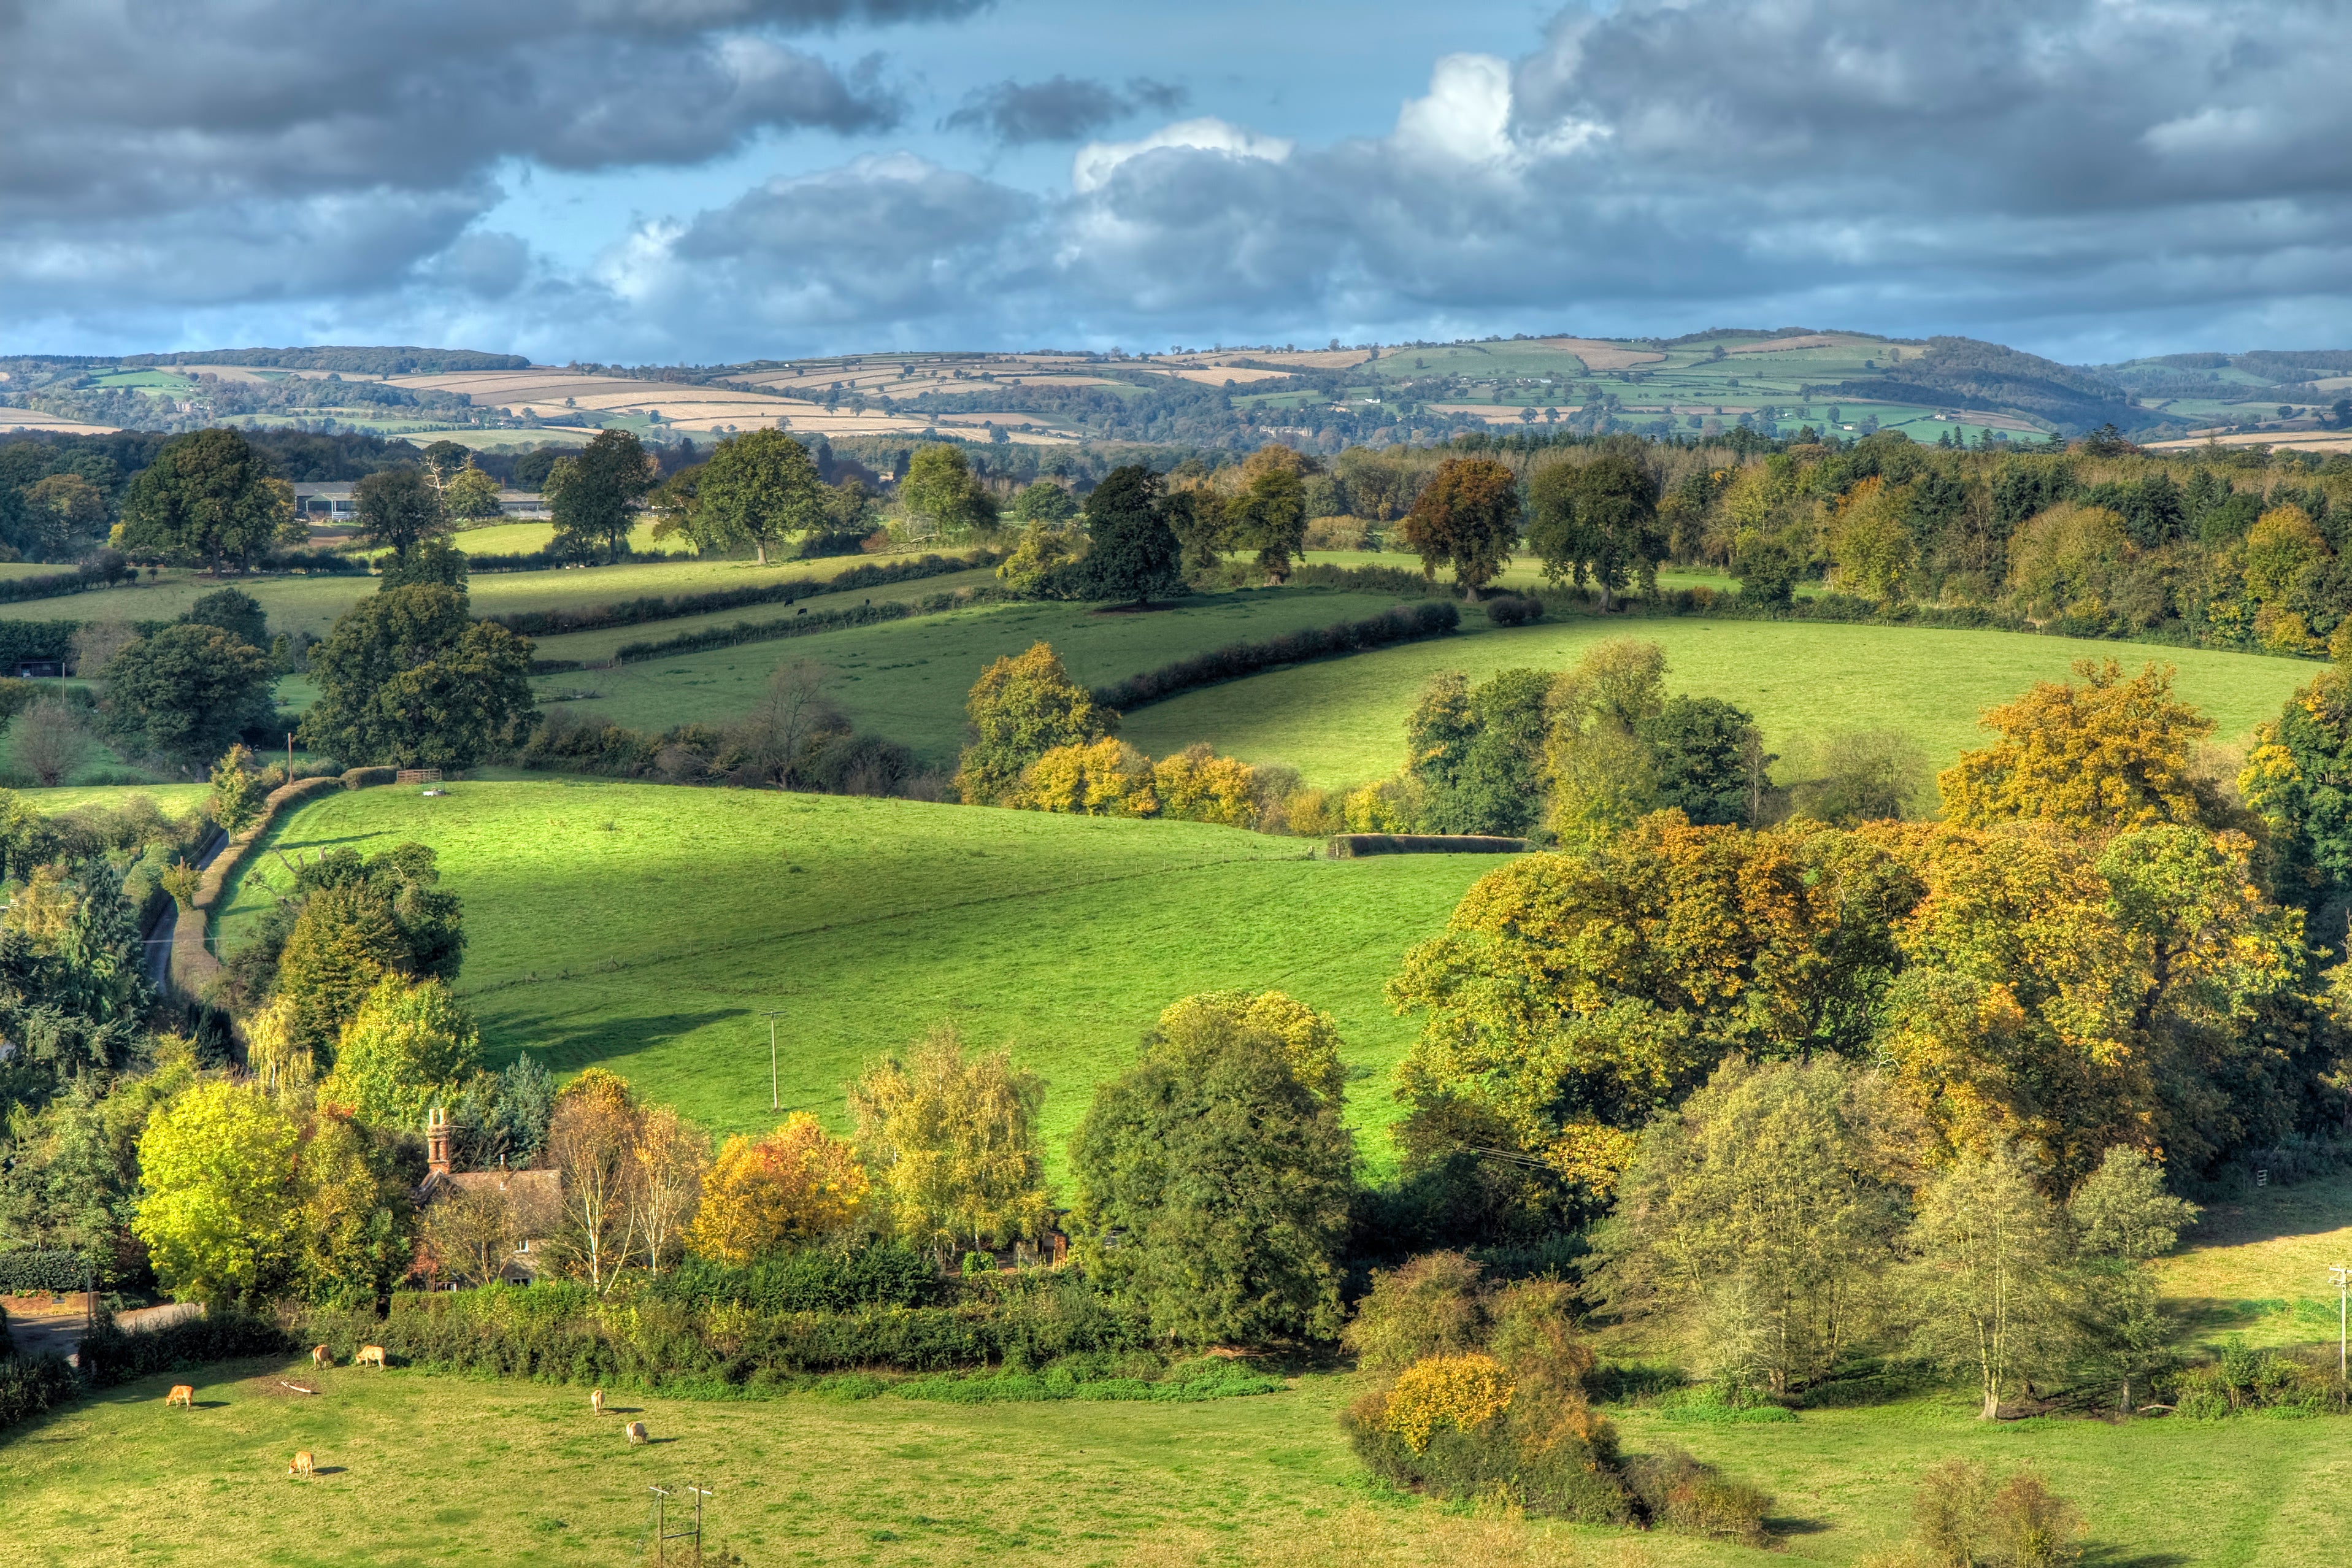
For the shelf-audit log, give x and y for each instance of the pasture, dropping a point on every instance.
(645, 928)
(1342, 720)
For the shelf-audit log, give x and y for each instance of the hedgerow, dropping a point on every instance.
(664, 607)
(1406, 623)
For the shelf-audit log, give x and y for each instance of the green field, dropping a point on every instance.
(176, 799)
(1342, 720)
(593, 646)
(521, 538)
(421, 1468)
(909, 679)
(644, 928)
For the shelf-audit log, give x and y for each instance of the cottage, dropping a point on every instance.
(534, 1199)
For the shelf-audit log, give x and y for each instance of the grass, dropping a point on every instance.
(521, 538)
(909, 679)
(645, 928)
(2260, 1262)
(312, 603)
(591, 646)
(1342, 720)
(176, 799)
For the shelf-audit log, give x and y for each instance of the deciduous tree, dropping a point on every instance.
(405, 679)
(760, 489)
(410, 1046)
(208, 496)
(186, 692)
(952, 1142)
(2101, 757)
(1599, 520)
(792, 1186)
(1987, 1276)
(395, 508)
(1133, 553)
(595, 494)
(1021, 707)
(1468, 517)
(220, 1206)
(944, 496)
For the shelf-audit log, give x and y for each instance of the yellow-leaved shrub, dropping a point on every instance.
(1463, 1392)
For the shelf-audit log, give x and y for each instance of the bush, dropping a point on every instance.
(110, 1355)
(50, 1270)
(1567, 1480)
(1406, 623)
(660, 607)
(34, 1385)
(1511, 610)
(814, 1280)
(365, 778)
(1682, 1495)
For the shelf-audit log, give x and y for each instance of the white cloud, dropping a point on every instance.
(1097, 160)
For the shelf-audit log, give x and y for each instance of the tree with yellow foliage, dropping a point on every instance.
(794, 1185)
(1100, 778)
(952, 1142)
(1310, 1039)
(1198, 785)
(1021, 707)
(2104, 756)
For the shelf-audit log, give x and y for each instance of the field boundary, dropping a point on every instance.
(1405, 623)
(675, 606)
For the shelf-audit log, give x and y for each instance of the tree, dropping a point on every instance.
(428, 562)
(943, 495)
(409, 1046)
(1598, 519)
(1466, 516)
(1601, 774)
(234, 611)
(952, 1142)
(1870, 543)
(1699, 747)
(237, 790)
(1269, 512)
(186, 692)
(1043, 501)
(791, 723)
(344, 943)
(1134, 554)
(1228, 1181)
(2298, 777)
(470, 495)
(1761, 1214)
(1859, 775)
(795, 1185)
(61, 509)
(668, 1164)
(2104, 756)
(1497, 785)
(591, 1143)
(357, 1232)
(595, 494)
(397, 508)
(2121, 1217)
(219, 1208)
(406, 679)
(471, 1233)
(50, 739)
(2122, 1211)
(1021, 707)
(1988, 1277)
(761, 488)
(210, 495)
(1310, 1041)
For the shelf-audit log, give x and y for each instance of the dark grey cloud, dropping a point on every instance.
(1018, 114)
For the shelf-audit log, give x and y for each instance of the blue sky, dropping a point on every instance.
(710, 180)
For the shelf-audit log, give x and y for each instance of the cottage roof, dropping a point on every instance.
(536, 1196)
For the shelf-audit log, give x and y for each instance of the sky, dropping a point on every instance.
(714, 181)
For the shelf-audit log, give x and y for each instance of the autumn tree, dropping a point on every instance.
(668, 1161)
(1987, 1276)
(952, 1142)
(2104, 756)
(1310, 1039)
(220, 1207)
(1596, 520)
(2298, 777)
(595, 494)
(471, 1233)
(944, 495)
(208, 496)
(1870, 543)
(1599, 774)
(469, 495)
(1468, 517)
(1021, 707)
(793, 1186)
(1268, 512)
(237, 796)
(591, 1143)
(407, 1047)
(760, 489)
(356, 1238)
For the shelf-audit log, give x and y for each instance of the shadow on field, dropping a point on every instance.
(2307, 1208)
(2110, 1557)
(566, 1047)
(1777, 1526)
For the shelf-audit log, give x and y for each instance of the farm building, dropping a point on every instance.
(533, 1200)
(324, 505)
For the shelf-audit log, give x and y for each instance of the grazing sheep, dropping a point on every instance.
(302, 1464)
(636, 1431)
(180, 1395)
(322, 1356)
(369, 1355)
(596, 1401)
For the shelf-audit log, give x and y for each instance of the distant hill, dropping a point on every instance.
(344, 361)
(1962, 373)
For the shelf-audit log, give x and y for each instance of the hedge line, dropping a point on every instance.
(802, 625)
(1406, 623)
(33, 1385)
(50, 585)
(42, 1270)
(664, 607)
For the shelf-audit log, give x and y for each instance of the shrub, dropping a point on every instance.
(815, 1279)
(1460, 1392)
(1687, 1496)
(1430, 1307)
(1960, 1518)
(42, 1270)
(1511, 610)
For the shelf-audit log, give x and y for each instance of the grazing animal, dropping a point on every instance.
(636, 1431)
(596, 1401)
(322, 1356)
(369, 1355)
(303, 1464)
(180, 1395)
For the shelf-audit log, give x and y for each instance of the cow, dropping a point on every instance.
(596, 1401)
(369, 1355)
(303, 1464)
(322, 1356)
(636, 1433)
(180, 1395)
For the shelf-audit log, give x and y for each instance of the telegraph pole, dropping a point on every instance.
(773, 1104)
(2343, 1285)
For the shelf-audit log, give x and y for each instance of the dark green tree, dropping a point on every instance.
(406, 680)
(186, 692)
(234, 611)
(1699, 746)
(595, 494)
(1498, 786)
(208, 496)
(1228, 1181)
(1135, 553)
(397, 507)
(434, 561)
(761, 489)
(1597, 520)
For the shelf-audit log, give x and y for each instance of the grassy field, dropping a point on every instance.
(312, 603)
(909, 679)
(1342, 720)
(176, 799)
(420, 1468)
(521, 538)
(591, 646)
(645, 928)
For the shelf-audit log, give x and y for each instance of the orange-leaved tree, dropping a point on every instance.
(2104, 756)
(794, 1185)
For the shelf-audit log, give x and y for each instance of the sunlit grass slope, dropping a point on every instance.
(645, 928)
(1342, 720)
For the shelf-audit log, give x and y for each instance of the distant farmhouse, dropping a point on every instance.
(329, 506)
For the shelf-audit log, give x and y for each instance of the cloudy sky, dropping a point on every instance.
(718, 180)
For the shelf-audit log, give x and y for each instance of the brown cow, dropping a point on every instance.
(302, 1464)
(636, 1431)
(369, 1355)
(322, 1356)
(596, 1400)
(180, 1395)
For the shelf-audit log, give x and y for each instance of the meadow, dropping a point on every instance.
(431, 1464)
(1341, 721)
(645, 928)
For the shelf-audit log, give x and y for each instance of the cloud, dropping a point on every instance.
(1015, 114)
(1097, 160)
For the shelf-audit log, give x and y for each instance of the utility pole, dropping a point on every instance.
(2343, 1284)
(773, 1104)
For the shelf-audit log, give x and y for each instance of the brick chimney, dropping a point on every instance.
(436, 1142)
